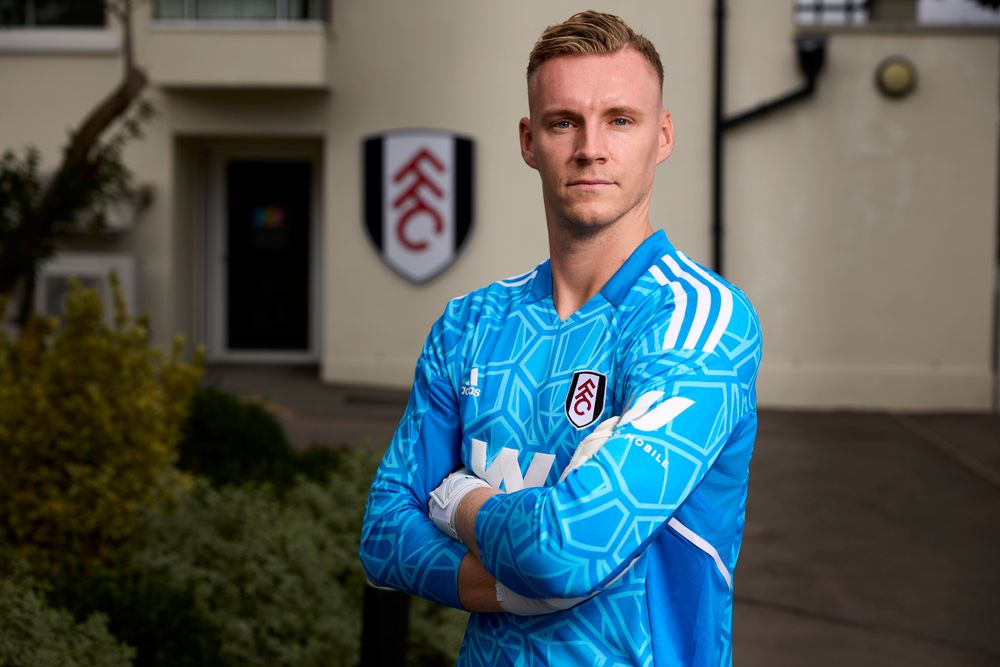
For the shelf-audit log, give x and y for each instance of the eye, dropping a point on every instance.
(621, 122)
(562, 125)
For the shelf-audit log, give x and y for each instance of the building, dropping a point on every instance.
(864, 228)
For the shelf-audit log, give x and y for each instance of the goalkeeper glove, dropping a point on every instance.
(444, 500)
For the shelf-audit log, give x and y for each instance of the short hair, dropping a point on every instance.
(591, 33)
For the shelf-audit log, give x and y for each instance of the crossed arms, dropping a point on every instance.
(565, 540)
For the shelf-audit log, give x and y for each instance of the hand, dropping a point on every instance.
(444, 500)
(590, 445)
(515, 603)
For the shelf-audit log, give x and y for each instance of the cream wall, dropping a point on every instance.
(852, 221)
(864, 230)
(45, 93)
(460, 66)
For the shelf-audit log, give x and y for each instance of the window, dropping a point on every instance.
(240, 10)
(957, 12)
(896, 12)
(832, 12)
(49, 13)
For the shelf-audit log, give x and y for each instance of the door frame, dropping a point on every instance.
(216, 260)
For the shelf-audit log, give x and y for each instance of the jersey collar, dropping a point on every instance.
(624, 278)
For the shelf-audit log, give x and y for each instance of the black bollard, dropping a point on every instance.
(385, 625)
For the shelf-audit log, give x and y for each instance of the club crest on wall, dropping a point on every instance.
(418, 199)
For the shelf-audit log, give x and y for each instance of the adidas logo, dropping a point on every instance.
(471, 386)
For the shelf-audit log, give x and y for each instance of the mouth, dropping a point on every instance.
(589, 183)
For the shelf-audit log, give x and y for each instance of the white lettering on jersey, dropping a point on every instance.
(471, 386)
(506, 469)
(645, 419)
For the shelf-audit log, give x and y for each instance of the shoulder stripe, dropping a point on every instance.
(660, 278)
(517, 281)
(677, 319)
(702, 307)
(680, 307)
(725, 307)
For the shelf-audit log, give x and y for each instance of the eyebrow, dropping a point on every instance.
(561, 112)
(624, 111)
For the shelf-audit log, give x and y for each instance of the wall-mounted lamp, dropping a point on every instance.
(895, 77)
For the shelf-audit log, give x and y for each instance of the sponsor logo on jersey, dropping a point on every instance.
(651, 413)
(471, 386)
(418, 199)
(585, 399)
(653, 451)
(505, 468)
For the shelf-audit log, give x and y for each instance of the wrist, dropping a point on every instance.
(515, 603)
(445, 500)
(465, 516)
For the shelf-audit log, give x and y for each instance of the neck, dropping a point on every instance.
(583, 264)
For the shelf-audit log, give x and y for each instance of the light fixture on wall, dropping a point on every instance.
(895, 77)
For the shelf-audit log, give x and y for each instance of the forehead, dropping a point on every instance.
(623, 78)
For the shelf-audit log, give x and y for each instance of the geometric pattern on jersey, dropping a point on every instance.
(648, 529)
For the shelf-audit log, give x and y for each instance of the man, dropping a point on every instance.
(599, 410)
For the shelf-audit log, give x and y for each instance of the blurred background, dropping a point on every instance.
(862, 226)
(858, 209)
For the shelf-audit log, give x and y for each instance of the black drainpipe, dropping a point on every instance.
(811, 55)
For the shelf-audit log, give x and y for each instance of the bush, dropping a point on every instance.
(436, 634)
(230, 441)
(237, 576)
(89, 420)
(33, 634)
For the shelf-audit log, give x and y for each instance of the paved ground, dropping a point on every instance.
(871, 538)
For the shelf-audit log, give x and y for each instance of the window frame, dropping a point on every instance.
(56, 39)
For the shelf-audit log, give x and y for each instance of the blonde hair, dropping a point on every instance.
(591, 33)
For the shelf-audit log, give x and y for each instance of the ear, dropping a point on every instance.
(527, 141)
(666, 146)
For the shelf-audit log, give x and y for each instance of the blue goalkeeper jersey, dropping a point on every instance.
(649, 528)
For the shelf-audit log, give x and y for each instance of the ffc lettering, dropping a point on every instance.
(584, 394)
(418, 199)
(585, 399)
(413, 198)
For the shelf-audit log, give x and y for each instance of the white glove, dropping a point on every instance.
(445, 499)
(515, 603)
(590, 445)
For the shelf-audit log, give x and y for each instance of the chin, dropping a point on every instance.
(588, 226)
(592, 219)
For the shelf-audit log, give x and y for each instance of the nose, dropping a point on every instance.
(591, 145)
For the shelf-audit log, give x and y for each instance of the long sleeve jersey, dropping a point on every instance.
(649, 528)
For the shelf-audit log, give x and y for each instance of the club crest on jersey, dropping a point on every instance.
(585, 399)
(418, 199)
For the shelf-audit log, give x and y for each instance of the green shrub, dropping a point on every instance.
(237, 576)
(90, 416)
(230, 441)
(436, 634)
(33, 634)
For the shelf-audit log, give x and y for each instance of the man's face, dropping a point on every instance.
(595, 134)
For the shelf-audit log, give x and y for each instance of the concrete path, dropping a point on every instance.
(871, 538)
